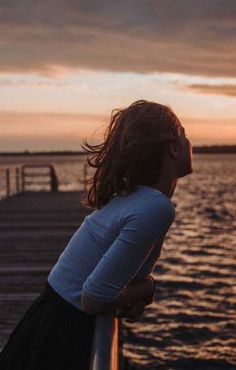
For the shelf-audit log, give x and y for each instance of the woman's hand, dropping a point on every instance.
(151, 283)
(133, 311)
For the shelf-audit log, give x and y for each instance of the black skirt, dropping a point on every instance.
(52, 335)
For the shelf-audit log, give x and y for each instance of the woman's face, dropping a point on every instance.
(185, 157)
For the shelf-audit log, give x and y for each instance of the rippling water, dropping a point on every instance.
(191, 325)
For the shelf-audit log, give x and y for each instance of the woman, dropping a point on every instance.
(107, 264)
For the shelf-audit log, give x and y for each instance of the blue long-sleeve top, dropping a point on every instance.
(115, 245)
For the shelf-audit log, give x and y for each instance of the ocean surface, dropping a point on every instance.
(191, 325)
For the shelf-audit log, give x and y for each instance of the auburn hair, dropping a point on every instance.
(134, 145)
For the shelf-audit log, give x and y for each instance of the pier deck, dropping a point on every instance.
(34, 229)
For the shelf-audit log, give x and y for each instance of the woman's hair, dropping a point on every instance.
(132, 152)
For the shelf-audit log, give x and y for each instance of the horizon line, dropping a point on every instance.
(215, 148)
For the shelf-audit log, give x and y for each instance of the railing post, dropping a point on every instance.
(85, 177)
(54, 180)
(17, 180)
(22, 180)
(8, 183)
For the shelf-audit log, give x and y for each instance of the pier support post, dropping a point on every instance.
(8, 183)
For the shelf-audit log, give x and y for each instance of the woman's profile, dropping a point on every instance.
(107, 264)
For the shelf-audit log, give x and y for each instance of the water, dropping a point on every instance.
(191, 325)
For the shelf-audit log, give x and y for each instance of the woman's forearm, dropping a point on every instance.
(135, 291)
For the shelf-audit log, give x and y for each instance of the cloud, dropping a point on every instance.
(63, 125)
(53, 38)
(207, 131)
(229, 90)
(22, 82)
(45, 131)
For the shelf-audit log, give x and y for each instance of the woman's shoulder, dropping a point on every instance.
(145, 203)
(149, 203)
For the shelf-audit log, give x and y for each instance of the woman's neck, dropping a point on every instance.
(166, 185)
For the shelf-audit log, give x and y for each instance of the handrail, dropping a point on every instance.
(17, 179)
(105, 347)
(52, 180)
(11, 187)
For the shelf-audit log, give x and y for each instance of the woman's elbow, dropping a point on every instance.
(93, 307)
(88, 305)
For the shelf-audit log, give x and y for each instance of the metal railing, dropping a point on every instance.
(27, 176)
(18, 178)
(106, 350)
(12, 187)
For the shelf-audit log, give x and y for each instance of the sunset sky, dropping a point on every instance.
(65, 64)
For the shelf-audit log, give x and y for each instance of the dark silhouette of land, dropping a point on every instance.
(196, 149)
(215, 149)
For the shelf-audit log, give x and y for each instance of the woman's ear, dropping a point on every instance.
(174, 149)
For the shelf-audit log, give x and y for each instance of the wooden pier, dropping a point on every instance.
(34, 229)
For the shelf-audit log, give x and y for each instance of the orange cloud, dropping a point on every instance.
(203, 131)
(229, 90)
(51, 131)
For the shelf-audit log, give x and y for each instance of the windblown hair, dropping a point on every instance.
(134, 144)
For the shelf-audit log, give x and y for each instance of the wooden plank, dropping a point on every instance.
(34, 229)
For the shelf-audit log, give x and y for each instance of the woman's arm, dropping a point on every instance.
(135, 291)
(108, 286)
(134, 310)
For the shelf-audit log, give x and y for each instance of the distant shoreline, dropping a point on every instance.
(217, 149)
